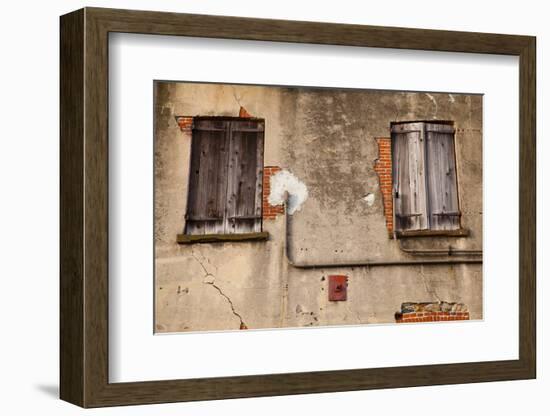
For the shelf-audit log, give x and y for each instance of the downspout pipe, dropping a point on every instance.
(360, 263)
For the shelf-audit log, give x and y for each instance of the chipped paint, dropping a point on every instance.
(285, 182)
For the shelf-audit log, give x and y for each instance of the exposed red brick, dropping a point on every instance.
(383, 167)
(432, 312)
(431, 317)
(185, 123)
(269, 212)
(243, 113)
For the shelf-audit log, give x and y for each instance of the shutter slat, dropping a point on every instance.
(439, 128)
(258, 183)
(409, 179)
(244, 178)
(207, 181)
(442, 181)
(400, 177)
(418, 180)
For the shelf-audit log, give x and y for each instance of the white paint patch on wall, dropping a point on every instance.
(369, 199)
(284, 181)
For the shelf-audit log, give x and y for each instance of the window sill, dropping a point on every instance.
(461, 232)
(221, 238)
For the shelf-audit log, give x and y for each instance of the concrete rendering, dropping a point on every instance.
(323, 159)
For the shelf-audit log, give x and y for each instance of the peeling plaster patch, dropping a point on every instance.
(369, 199)
(451, 98)
(284, 181)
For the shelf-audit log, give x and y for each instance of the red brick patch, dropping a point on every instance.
(185, 123)
(270, 212)
(243, 113)
(431, 316)
(383, 167)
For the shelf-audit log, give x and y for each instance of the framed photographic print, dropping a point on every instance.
(255, 207)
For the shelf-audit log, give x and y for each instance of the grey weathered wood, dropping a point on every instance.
(243, 178)
(444, 213)
(425, 176)
(407, 127)
(400, 176)
(208, 177)
(217, 182)
(417, 171)
(242, 128)
(439, 127)
(233, 170)
(225, 176)
(258, 189)
(409, 179)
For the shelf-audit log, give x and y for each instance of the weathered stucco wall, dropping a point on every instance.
(326, 138)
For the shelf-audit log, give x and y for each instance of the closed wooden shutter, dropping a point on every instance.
(244, 187)
(225, 178)
(442, 181)
(207, 178)
(409, 177)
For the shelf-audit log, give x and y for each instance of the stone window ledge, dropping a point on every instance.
(461, 232)
(221, 238)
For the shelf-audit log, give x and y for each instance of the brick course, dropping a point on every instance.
(383, 167)
(185, 123)
(270, 212)
(243, 113)
(432, 312)
(431, 316)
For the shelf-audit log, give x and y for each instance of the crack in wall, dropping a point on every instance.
(206, 272)
(434, 101)
(237, 99)
(243, 325)
(211, 282)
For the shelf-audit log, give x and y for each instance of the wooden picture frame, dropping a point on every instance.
(84, 207)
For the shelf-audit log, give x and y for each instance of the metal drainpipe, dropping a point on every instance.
(362, 263)
(439, 251)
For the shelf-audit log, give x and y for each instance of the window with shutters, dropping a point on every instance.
(225, 178)
(425, 195)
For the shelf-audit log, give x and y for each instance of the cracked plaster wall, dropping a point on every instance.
(326, 139)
